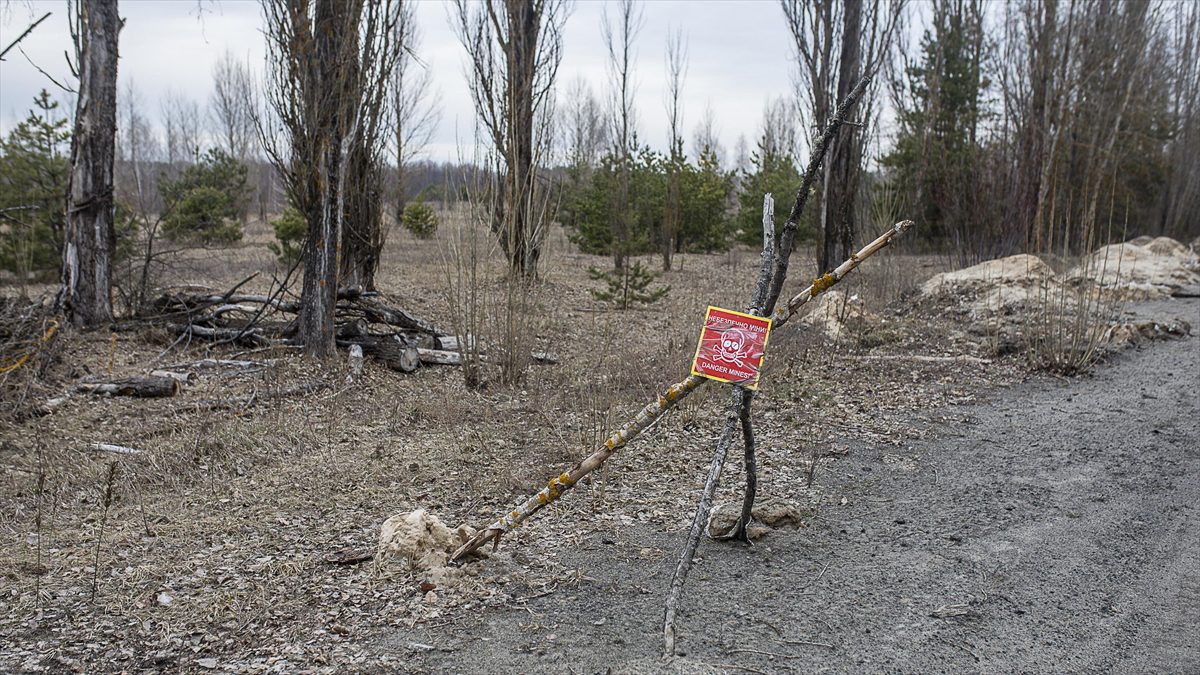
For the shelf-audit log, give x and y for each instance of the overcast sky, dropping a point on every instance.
(738, 57)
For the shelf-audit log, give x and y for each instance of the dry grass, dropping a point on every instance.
(215, 536)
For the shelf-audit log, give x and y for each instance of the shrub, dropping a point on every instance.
(201, 214)
(420, 219)
(290, 232)
(205, 202)
(628, 285)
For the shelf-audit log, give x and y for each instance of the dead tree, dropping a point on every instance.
(514, 48)
(413, 103)
(89, 237)
(181, 130)
(231, 107)
(371, 74)
(676, 67)
(319, 53)
(834, 43)
(619, 42)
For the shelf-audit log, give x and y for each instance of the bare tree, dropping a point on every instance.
(137, 149)
(181, 127)
(585, 134)
(835, 43)
(741, 155)
(1086, 88)
(514, 49)
(414, 103)
(89, 236)
(1181, 199)
(231, 107)
(705, 138)
(676, 58)
(618, 39)
(320, 52)
(780, 136)
(363, 197)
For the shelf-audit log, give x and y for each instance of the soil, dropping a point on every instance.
(1055, 527)
(962, 514)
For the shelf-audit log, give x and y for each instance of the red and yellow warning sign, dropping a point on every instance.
(731, 347)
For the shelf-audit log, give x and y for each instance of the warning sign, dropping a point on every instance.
(731, 347)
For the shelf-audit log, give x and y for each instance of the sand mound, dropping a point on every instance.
(1162, 267)
(832, 311)
(1001, 286)
(1166, 246)
(420, 540)
(1015, 269)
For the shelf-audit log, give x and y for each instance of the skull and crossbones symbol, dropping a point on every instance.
(733, 346)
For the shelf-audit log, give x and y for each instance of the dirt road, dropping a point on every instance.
(1056, 528)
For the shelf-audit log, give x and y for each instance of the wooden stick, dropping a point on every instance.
(921, 358)
(738, 398)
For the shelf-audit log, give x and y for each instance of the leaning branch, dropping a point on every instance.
(29, 30)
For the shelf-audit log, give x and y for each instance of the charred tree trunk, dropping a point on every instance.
(89, 240)
(842, 171)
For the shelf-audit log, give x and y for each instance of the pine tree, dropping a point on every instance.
(33, 183)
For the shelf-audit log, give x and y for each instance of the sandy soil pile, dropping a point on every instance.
(836, 317)
(1002, 300)
(422, 541)
(1157, 268)
(1001, 286)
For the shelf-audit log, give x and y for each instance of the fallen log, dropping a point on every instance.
(392, 350)
(446, 357)
(183, 377)
(377, 312)
(252, 337)
(225, 363)
(149, 386)
(440, 357)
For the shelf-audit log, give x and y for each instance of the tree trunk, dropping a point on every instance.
(522, 245)
(319, 294)
(1032, 161)
(362, 238)
(89, 239)
(842, 172)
